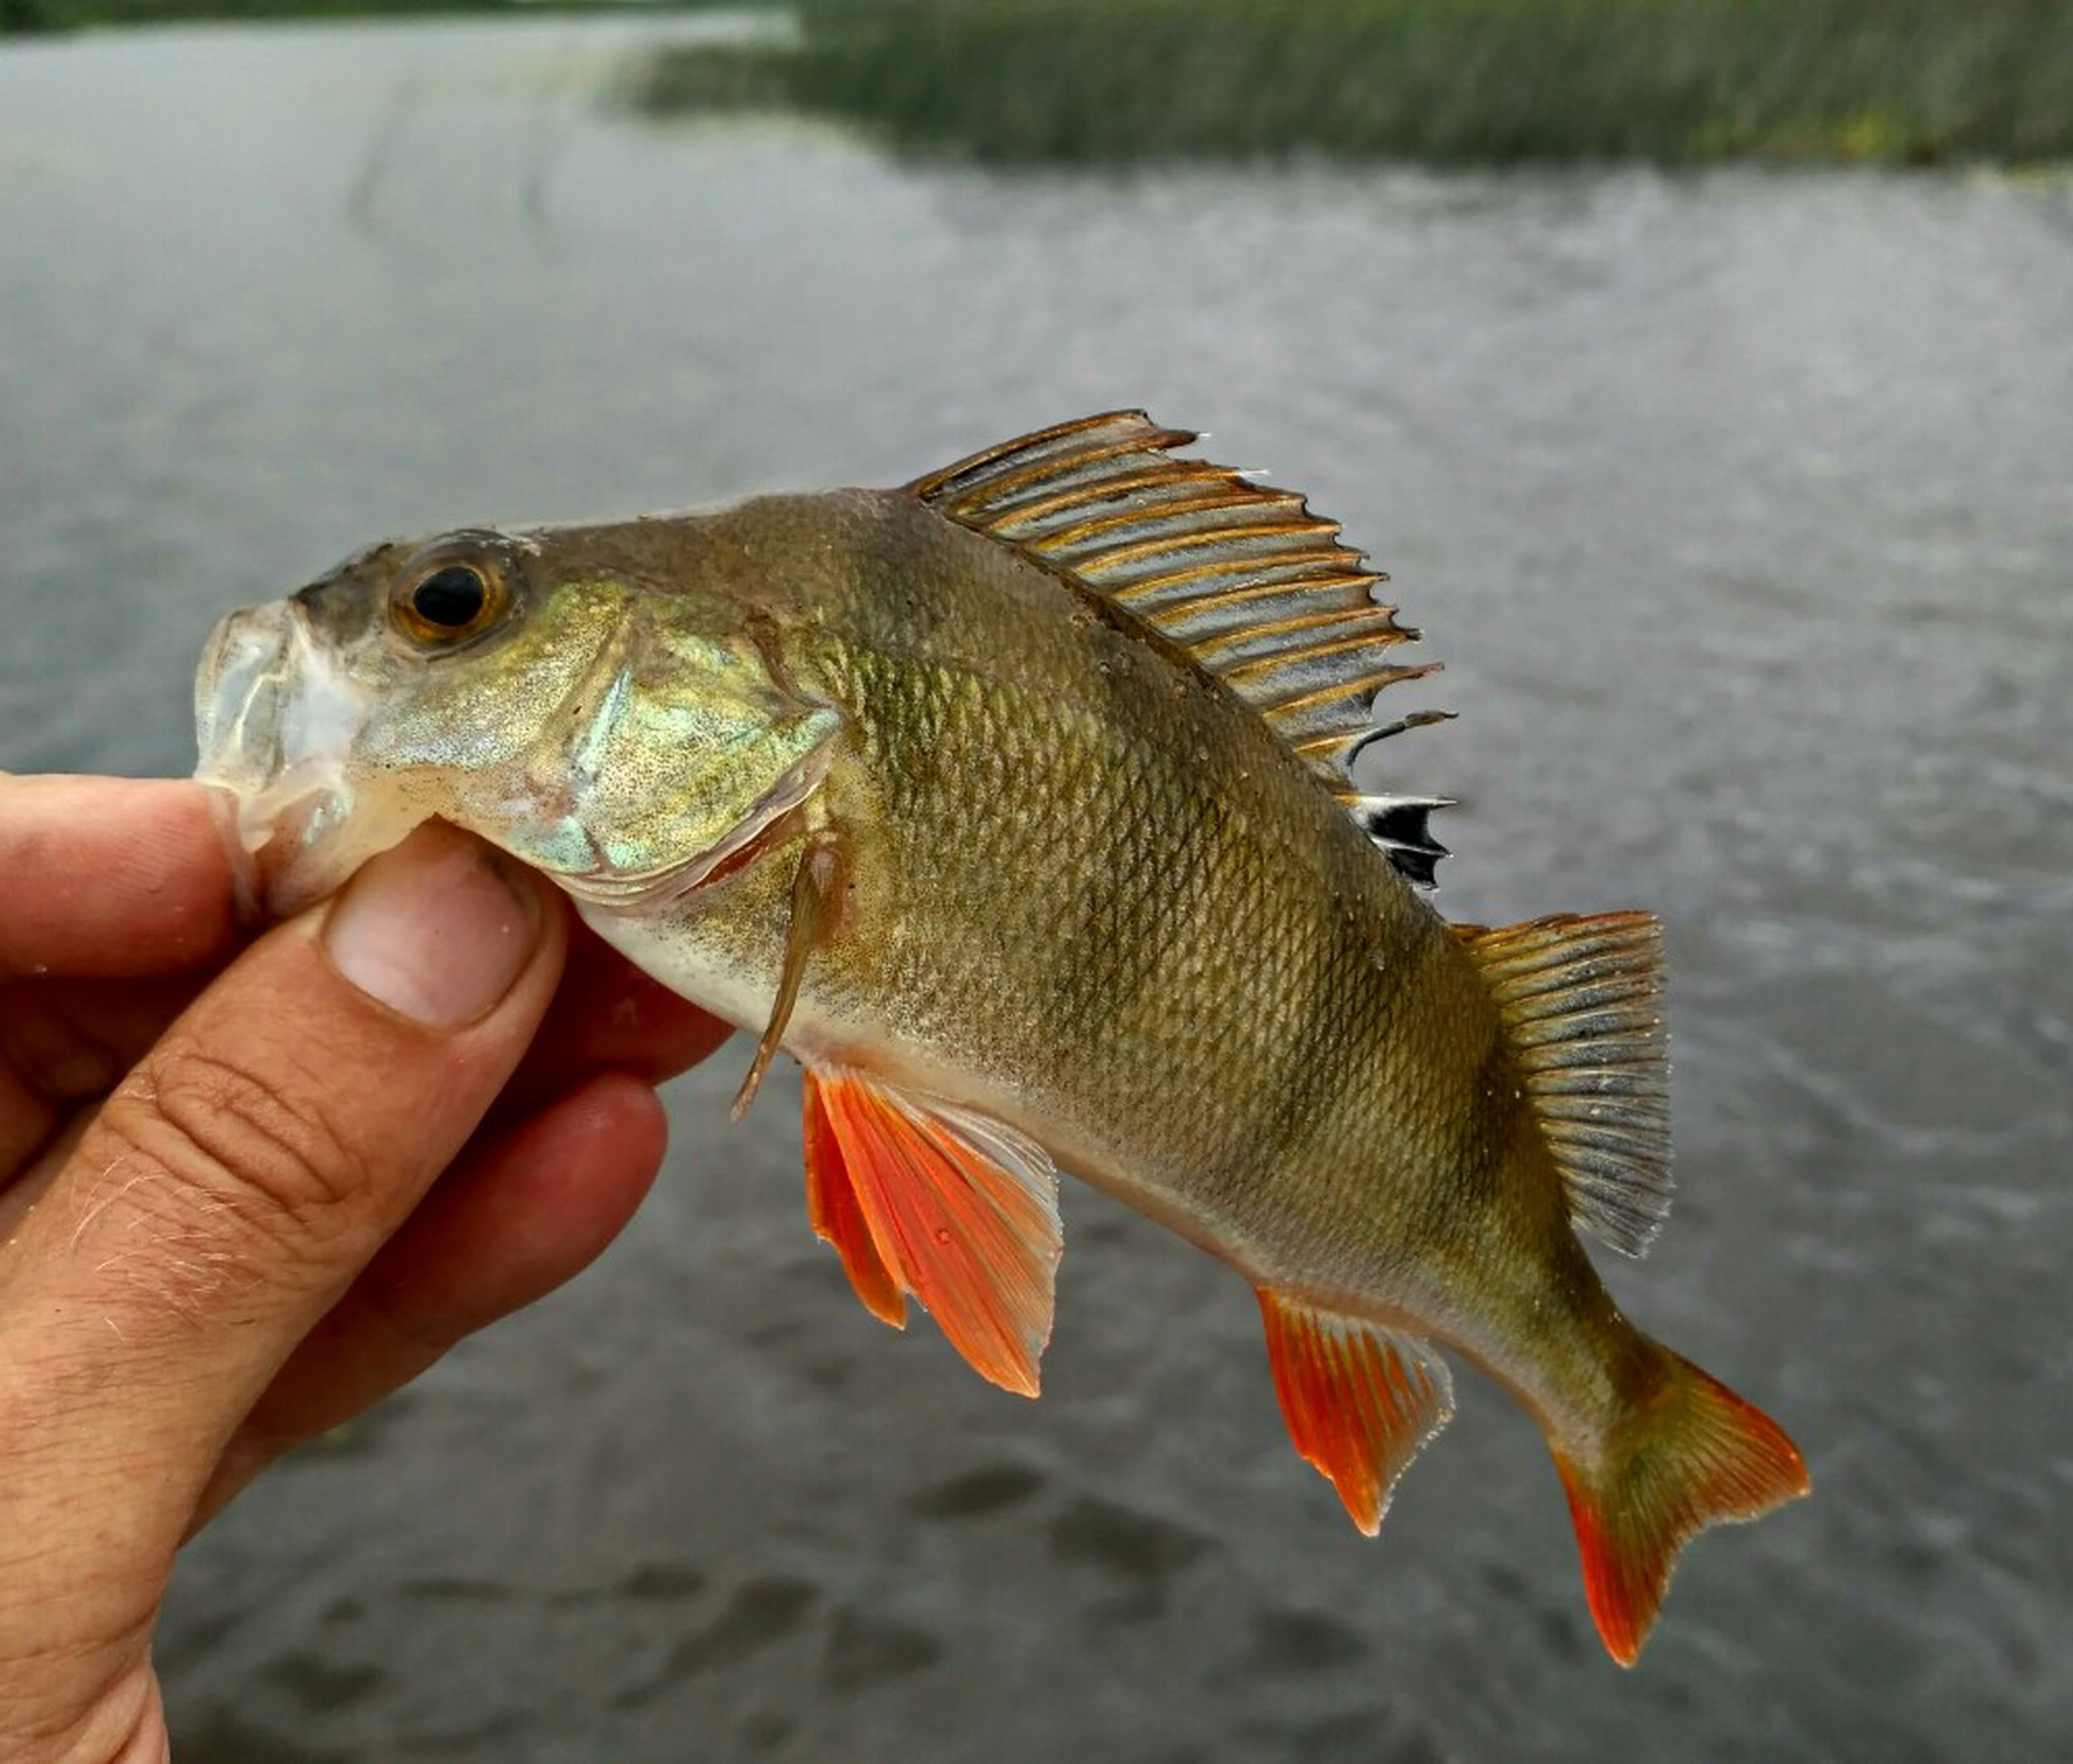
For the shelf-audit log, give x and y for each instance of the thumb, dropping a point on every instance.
(230, 1190)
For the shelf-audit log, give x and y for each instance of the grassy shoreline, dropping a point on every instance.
(1493, 82)
(1474, 82)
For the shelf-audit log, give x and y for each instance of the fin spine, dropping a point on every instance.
(1331, 618)
(1008, 483)
(1352, 642)
(1037, 443)
(1329, 557)
(1103, 490)
(1071, 537)
(1369, 683)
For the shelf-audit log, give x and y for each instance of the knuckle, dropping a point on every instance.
(266, 1152)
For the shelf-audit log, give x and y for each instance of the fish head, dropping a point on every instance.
(623, 731)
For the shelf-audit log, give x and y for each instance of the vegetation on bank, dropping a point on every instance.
(1453, 81)
(1460, 81)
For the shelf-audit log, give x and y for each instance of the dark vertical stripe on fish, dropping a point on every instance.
(1124, 917)
(1484, 1124)
(1312, 1074)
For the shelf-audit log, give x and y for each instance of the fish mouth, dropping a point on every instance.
(275, 719)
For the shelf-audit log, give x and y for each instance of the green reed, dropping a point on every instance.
(1489, 82)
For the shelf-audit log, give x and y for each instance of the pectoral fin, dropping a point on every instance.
(814, 886)
(922, 1197)
(1360, 1400)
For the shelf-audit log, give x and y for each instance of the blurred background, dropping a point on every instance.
(1702, 371)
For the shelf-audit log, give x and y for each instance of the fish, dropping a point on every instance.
(1023, 806)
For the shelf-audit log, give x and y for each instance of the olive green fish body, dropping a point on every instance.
(1092, 894)
(1018, 804)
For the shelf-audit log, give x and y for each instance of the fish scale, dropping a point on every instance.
(1214, 1039)
(1018, 805)
(1114, 957)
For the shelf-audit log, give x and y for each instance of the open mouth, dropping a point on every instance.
(276, 720)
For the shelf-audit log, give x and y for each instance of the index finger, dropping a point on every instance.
(112, 877)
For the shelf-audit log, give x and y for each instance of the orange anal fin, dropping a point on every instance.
(1695, 1454)
(924, 1198)
(832, 1210)
(1360, 1399)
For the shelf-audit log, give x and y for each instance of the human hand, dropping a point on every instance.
(249, 1188)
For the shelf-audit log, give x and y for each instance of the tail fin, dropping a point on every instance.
(1692, 1454)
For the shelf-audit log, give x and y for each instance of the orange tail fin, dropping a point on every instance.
(1693, 1455)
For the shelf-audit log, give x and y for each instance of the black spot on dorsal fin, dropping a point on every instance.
(1398, 824)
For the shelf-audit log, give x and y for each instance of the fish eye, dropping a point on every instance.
(448, 603)
(451, 599)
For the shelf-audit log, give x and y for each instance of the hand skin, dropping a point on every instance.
(248, 1185)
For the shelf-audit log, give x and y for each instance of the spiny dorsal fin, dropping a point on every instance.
(1580, 999)
(1398, 824)
(1258, 590)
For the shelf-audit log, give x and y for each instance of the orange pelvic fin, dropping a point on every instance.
(924, 1198)
(831, 1209)
(1693, 1455)
(1360, 1400)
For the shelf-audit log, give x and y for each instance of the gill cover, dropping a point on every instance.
(673, 751)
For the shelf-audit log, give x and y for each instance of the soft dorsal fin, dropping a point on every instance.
(1580, 998)
(1256, 589)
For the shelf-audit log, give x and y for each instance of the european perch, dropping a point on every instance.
(1018, 806)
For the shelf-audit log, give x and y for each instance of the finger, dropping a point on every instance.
(112, 877)
(531, 1211)
(63, 1043)
(233, 1187)
(609, 1016)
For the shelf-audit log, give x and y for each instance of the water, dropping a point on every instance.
(1738, 506)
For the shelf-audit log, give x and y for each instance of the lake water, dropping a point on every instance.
(1740, 507)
